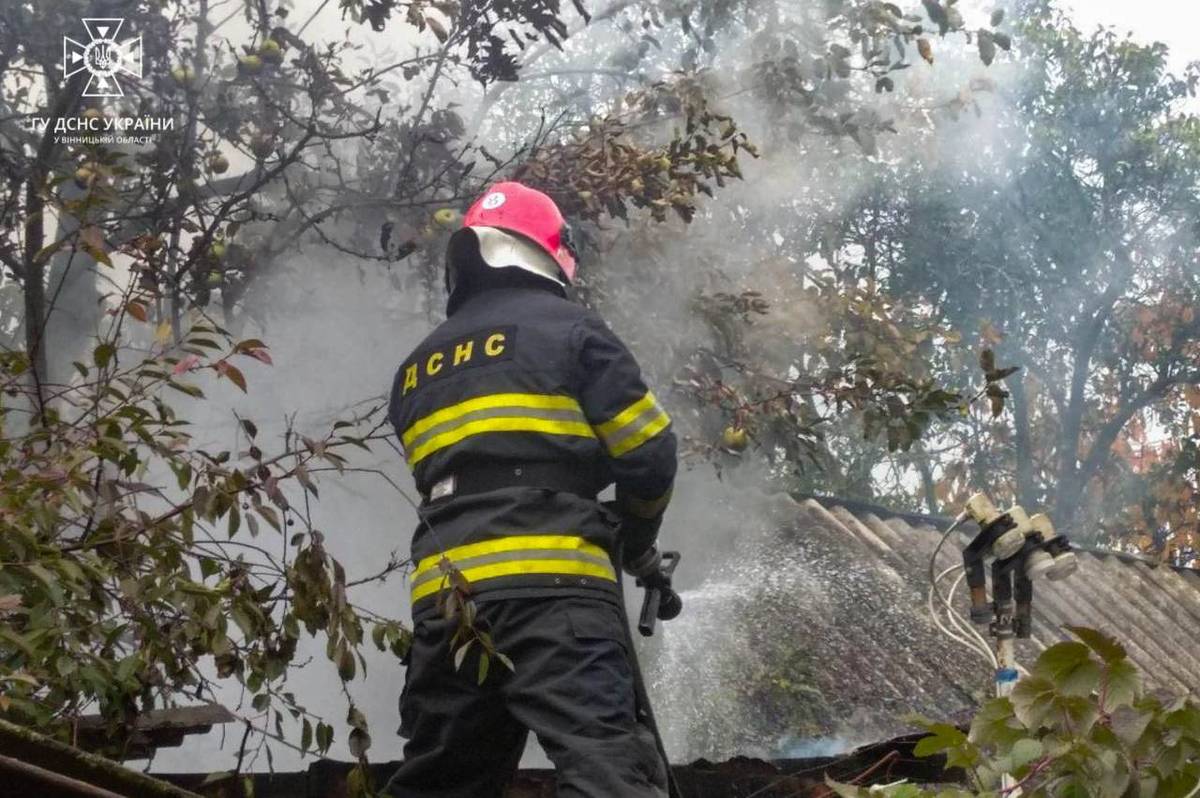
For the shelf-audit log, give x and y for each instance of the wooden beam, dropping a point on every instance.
(62, 785)
(38, 751)
(200, 718)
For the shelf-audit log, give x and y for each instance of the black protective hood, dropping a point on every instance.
(467, 274)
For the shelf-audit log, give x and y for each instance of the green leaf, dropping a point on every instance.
(904, 791)
(183, 475)
(1070, 667)
(306, 736)
(1072, 714)
(187, 526)
(49, 581)
(43, 254)
(356, 781)
(403, 641)
(102, 355)
(127, 667)
(484, 660)
(1025, 751)
(461, 654)
(1169, 760)
(345, 664)
(269, 515)
(244, 620)
(1032, 700)
(254, 681)
(324, 737)
(846, 790)
(1128, 724)
(1123, 685)
(942, 736)
(97, 254)
(21, 678)
(995, 724)
(1186, 720)
(1107, 648)
(235, 520)
(1083, 680)
(187, 388)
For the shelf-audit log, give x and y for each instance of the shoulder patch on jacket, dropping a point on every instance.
(489, 345)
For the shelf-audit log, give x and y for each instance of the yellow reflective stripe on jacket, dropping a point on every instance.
(507, 424)
(569, 555)
(532, 400)
(552, 414)
(507, 544)
(547, 567)
(633, 426)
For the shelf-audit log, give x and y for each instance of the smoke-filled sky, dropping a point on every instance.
(1169, 21)
(1173, 22)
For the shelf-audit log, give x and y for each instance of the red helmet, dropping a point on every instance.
(531, 215)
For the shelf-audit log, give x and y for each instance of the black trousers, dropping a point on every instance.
(572, 686)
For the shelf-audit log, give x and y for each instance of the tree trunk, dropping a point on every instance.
(66, 102)
(34, 288)
(1026, 492)
(920, 459)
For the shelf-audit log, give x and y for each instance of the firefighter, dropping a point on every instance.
(513, 415)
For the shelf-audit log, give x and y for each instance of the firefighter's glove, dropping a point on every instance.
(647, 566)
(638, 536)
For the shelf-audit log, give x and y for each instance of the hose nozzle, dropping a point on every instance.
(661, 603)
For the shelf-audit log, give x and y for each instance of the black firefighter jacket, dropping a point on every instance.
(523, 380)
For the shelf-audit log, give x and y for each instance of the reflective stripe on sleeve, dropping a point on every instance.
(633, 426)
(552, 414)
(568, 555)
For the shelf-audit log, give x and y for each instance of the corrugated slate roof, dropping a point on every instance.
(1152, 609)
